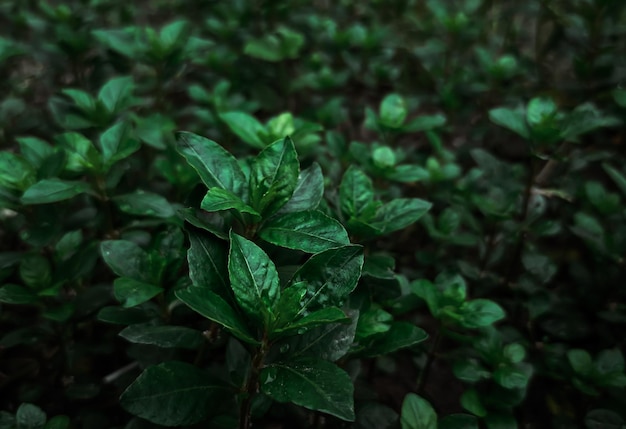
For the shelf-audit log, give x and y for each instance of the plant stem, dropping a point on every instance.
(252, 384)
(421, 382)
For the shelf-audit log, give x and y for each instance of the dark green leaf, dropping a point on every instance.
(215, 166)
(163, 336)
(217, 199)
(82, 155)
(511, 119)
(131, 292)
(116, 94)
(308, 192)
(35, 271)
(143, 203)
(126, 259)
(34, 150)
(609, 361)
(15, 171)
(213, 307)
(124, 316)
(603, 419)
(470, 400)
(53, 190)
(425, 123)
(246, 127)
(481, 312)
(172, 394)
(458, 421)
(400, 335)
(513, 376)
(617, 177)
(310, 232)
(116, 143)
(311, 383)
(58, 422)
(417, 413)
(208, 264)
(584, 119)
(14, 294)
(29, 416)
(316, 318)
(274, 176)
(330, 276)
(400, 213)
(356, 194)
(253, 278)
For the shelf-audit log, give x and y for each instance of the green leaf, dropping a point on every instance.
(35, 272)
(215, 166)
(400, 335)
(15, 171)
(514, 352)
(29, 416)
(470, 400)
(58, 422)
(268, 48)
(217, 199)
(246, 127)
(356, 194)
(308, 192)
(14, 294)
(619, 96)
(172, 394)
(124, 316)
(163, 336)
(501, 421)
(143, 203)
(513, 376)
(35, 150)
(208, 264)
(425, 123)
(393, 111)
(480, 312)
(609, 361)
(53, 190)
(617, 177)
(314, 319)
(603, 419)
(310, 232)
(400, 213)
(253, 278)
(311, 383)
(117, 143)
(417, 413)
(330, 276)
(540, 110)
(131, 292)
(83, 100)
(512, 119)
(82, 155)
(384, 157)
(116, 94)
(126, 259)
(213, 307)
(273, 177)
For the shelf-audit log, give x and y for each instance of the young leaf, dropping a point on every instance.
(217, 199)
(131, 292)
(29, 416)
(208, 263)
(253, 278)
(481, 312)
(81, 153)
(53, 190)
(400, 213)
(116, 144)
(512, 119)
(246, 127)
(393, 111)
(142, 203)
(172, 394)
(273, 177)
(215, 166)
(311, 383)
(116, 94)
(417, 413)
(308, 192)
(310, 232)
(329, 276)
(213, 307)
(356, 194)
(163, 336)
(425, 123)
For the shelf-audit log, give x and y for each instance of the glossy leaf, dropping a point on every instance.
(172, 394)
(163, 336)
(274, 177)
(310, 231)
(417, 413)
(246, 127)
(143, 203)
(356, 194)
(53, 190)
(308, 192)
(311, 383)
(208, 264)
(116, 143)
(314, 319)
(217, 199)
(253, 278)
(215, 166)
(213, 307)
(330, 276)
(400, 335)
(131, 292)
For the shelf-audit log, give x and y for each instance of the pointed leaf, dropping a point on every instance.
(53, 190)
(81, 153)
(356, 194)
(131, 292)
(400, 213)
(126, 259)
(314, 319)
(253, 278)
(310, 232)
(143, 203)
(512, 119)
(246, 127)
(172, 394)
(216, 166)
(308, 192)
(116, 93)
(330, 276)
(273, 177)
(417, 413)
(117, 143)
(400, 335)
(217, 199)
(207, 258)
(311, 383)
(213, 307)
(163, 336)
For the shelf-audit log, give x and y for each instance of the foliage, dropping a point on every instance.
(385, 214)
